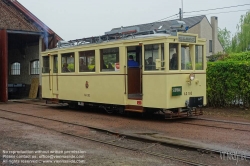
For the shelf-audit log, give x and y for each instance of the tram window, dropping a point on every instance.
(135, 52)
(109, 60)
(173, 57)
(55, 64)
(198, 57)
(151, 53)
(45, 64)
(87, 61)
(68, 62)
(186, 62)
(162, 57)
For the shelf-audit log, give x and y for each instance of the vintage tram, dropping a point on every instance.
(170, 76)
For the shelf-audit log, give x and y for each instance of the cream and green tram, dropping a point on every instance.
(170, 76)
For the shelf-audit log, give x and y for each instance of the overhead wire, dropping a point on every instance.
(167, 17)
(220, 12)
(176, 15)
(217, 8)
(173, 16)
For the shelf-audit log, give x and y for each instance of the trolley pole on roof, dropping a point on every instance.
(182, 9)
(180, 16)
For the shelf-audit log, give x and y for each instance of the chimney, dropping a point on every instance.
(214, 24)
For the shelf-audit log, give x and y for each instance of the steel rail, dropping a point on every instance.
(220, 127)
(224, 121)
(113, 144)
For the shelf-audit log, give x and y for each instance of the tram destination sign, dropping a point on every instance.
(190, 39)
(177, 91)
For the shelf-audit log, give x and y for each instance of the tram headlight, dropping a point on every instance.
(192, 76)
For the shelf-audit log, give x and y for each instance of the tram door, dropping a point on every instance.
(134, 73)
(54, 72)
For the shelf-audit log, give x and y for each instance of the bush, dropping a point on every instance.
(243, 56)
(218, 56)
(228, 83)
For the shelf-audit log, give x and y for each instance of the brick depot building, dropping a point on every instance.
(22, 37)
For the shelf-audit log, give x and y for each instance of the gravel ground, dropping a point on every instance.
(22, 137)
(234, 114)
(213, 137)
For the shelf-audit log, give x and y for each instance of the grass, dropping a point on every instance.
(238, 113)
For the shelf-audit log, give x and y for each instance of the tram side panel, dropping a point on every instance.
(180, 89)
(108, 89)
(46, 87)
(154, 91)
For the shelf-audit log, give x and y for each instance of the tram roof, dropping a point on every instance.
(65, 44)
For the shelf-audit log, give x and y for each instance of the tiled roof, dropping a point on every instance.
(11, 19)
(190, 21)
(14, 16)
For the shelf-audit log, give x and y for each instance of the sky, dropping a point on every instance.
(75, 19)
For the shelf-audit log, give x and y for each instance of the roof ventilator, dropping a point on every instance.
(125, 33)
(178, 26)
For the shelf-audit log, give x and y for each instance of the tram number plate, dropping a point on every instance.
(187, 93)
(87, 95)
(81, 103)
(176, 91)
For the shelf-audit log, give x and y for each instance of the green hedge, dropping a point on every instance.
(228, 82)
(243, 56)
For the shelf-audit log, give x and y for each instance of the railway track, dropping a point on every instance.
(236, 127)
(192, 123)
(223, 121)
(132, 137)
(214, 126)
(111, 143)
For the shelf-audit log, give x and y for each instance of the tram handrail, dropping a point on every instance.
(125, 75)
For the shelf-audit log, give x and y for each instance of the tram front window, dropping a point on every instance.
(151, 53)
(173, 56)
(199, 58)
(186, 62)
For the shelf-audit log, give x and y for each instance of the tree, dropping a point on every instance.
(224, 37)
(241, 40)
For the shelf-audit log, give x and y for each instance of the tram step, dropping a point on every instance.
(134, 110)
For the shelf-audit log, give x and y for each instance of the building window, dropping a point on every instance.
(34, 67)
(15, 68)
(210, 45)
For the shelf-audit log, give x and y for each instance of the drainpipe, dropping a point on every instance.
(3, 66)
(214, 24)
